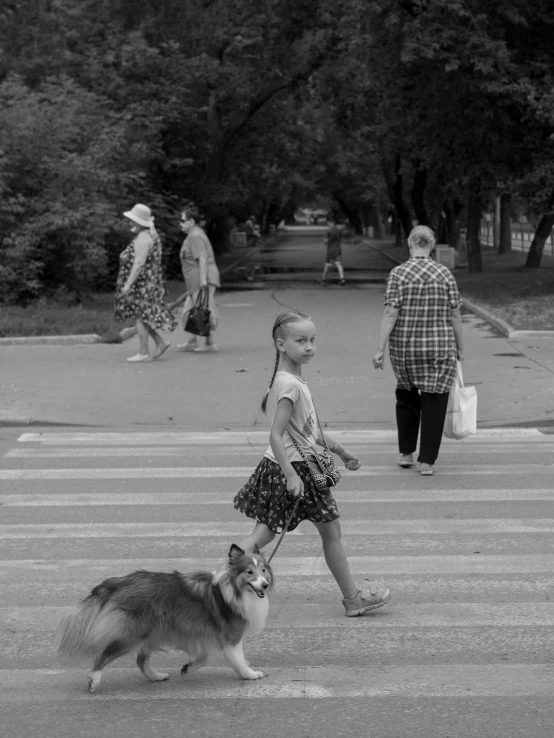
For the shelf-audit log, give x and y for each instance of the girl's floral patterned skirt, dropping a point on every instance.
(266, 499)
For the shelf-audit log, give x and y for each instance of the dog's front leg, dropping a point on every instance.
(197, 659)
(235, 659)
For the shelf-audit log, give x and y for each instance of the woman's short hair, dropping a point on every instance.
(421, 237)
(193, 214)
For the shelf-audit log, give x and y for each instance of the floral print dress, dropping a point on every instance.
(265, 498)
(146, 299)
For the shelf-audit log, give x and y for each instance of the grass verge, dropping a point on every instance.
(522, 297)
(94, 314)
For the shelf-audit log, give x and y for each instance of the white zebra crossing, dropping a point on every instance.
(228, 530)
(85, 499)
(241, 437)
(456, 576)
(224, 472)
(450, 681)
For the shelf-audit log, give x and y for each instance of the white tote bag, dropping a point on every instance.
(461, 414)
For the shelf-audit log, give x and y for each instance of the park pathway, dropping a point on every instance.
(465, 647)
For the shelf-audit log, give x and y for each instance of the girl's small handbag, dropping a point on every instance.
(198, 321)
(321, 464)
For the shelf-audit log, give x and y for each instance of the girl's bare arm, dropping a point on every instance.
(280, 422)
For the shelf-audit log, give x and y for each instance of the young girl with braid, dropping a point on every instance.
(282, 475)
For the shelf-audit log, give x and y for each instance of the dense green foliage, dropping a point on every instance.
(427, 109)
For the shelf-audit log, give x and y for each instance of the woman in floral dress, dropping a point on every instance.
(140, 293)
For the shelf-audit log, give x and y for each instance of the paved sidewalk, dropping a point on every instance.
(92, 384)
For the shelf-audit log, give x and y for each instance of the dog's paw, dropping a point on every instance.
(251, 674)
(92, 684)
(159, 676)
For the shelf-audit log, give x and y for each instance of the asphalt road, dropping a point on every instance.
(465, 647)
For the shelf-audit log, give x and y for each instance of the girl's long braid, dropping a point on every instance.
(277, 332)
(275, 370)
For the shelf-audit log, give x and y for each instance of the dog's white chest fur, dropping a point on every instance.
(256, 610)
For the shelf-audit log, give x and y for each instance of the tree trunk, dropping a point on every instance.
(451, 221)
(287, 212)
(395, 187)
(474, 213)
(418, 191)
(397, 232)
(351, 211)
(378, 223)
(544, 229)
(505, 237)
(273, 211)
(218, 233)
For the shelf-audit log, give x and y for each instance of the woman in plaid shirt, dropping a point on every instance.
(423, 325)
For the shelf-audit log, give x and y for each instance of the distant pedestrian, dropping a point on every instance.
(140, 292)
(283, 474)
(200, 273)
(252, 231)
(333, 245)
(423, 321)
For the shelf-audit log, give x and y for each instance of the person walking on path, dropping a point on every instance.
(283, 474)
(333, 244)
(423, 324)
(140, 292)
(200, 272)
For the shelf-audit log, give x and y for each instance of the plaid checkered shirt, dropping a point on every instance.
(422, 343)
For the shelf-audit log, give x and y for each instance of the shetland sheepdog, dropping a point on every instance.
(147, 611)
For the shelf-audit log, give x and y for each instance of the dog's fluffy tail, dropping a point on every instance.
(88, 630)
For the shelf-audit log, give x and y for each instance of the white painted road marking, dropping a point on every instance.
(374, 566)
(349, 527)
(312, 682)
(84, 499)
(302, 617)
(47, 451)
(240, 437)
(225, 472)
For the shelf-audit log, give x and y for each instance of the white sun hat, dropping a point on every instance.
(140, 214)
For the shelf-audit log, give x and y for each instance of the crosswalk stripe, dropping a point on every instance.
(199, 529)
(224, 472)
(303, 682)
(239, 437)
(301, 617)
(99, 452)
(112, 499)
(127, 451)
(50, 587)
(370, 566)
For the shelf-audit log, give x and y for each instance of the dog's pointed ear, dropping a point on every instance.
(235, 551)
(256, 549)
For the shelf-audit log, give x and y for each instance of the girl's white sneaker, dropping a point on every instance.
(212, 348)
(139, 357)
(372, 598)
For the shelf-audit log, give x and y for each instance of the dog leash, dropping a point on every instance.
(284, 529)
